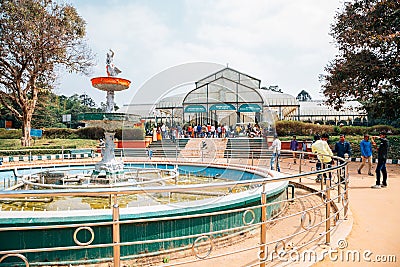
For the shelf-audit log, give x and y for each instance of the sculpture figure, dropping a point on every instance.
(111, 69)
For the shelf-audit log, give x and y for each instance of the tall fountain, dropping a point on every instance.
(113, 168)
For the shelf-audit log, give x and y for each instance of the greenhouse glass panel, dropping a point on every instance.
(246, 94)
(197, 96)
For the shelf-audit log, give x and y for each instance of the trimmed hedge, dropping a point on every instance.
(10, 134)
(94, 133)
(62, 133)
(82, 133)
(130, 134)
(373, 130)
(287, 128)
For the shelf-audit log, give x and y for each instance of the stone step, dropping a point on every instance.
(205, 147)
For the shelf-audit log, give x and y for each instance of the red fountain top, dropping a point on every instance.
(110, 83)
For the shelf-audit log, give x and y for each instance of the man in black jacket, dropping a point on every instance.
(382, 157)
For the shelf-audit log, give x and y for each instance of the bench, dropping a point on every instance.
(81, 153)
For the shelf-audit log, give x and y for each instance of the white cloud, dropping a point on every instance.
(283, 43)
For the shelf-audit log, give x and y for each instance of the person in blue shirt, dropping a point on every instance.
(366, 154)
(149, 153)
(293, 146)
(342, 147)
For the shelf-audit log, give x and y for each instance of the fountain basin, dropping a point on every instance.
(110, 83)
(143, 229)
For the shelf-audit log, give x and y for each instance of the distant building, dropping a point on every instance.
(317, 111)
(229, 97)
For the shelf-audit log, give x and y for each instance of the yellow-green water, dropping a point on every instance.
(133, 200)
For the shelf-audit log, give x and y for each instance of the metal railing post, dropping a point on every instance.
(263, 233)
(328, 209)
(300, 163)
(116, 233)
(339, 183)
(346, 192)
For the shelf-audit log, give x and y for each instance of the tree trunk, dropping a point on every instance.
(26, 130)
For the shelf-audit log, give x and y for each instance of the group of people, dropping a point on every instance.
(207, 131)
(201, 131)
(342, 149)
(366, 157)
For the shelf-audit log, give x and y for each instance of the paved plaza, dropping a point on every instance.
(376, 218)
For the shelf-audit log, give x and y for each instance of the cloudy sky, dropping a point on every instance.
(284, 43)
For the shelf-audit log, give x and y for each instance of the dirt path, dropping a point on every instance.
(376, 228)
(375, 234)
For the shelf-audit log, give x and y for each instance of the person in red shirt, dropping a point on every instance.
(189, 130)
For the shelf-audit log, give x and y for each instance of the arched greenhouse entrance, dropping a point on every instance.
(227, 97)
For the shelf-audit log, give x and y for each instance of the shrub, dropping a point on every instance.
(10, 134)
(354, 130)
(394, 147)
(63, 133)
(301, 128)
(287, 128)
(337, 129)
(130, 134)
(90, 133)
(376, 129)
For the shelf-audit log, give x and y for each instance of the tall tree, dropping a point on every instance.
(50, 108)
(367, 68)
(36, 37)
(47, 113)
(87, 101)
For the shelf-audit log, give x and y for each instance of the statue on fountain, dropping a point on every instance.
(112, 167)
(111, 69)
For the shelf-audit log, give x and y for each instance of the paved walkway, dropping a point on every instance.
(376, 221)
(375, 214)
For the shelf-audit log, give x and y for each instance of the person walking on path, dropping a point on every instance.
(163, 131)
(324, 153)
(382, 157)
(366, 154)
(293, 146)
(149, 153)
(342, 147)
(276, 153)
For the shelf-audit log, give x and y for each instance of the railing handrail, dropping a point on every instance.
(266, 178)
(161, 189)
